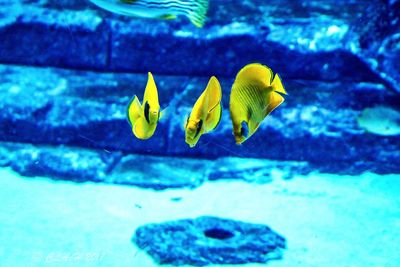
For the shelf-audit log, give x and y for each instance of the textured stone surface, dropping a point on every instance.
(209, 240)
(379, 38)
(62, 162)
(38, 36)
(158, 173)
(316, 39)
(256, 170)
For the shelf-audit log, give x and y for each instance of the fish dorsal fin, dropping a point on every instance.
(134, 110)
(274, 100)
(151, 93)
(214, 110)
(255, 74)
(214, 93)
(277, 85)
(198, 14)
(200, 108)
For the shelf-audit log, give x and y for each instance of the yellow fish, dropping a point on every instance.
(255, 93)
(195, 10)
(206, 113)
(144, 117)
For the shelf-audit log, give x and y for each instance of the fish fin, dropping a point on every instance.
(255, 73)
(277, 85)
(252, 127)
(151, 93)
(167, 17)
(214, 118)
(141, 129)
(198, 14)
(214, 93)
(163, 113)
(274, 101)
(128, 1)
(133, 110)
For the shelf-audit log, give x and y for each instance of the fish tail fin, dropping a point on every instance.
(275, 100)
(133, 110)
(277, 85)
(198, 14)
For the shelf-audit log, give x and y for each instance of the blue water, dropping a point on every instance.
(321, 171)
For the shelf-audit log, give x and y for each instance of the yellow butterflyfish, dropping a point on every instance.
(206, 113)
(144, 117)
(255, 93)
(195, 10)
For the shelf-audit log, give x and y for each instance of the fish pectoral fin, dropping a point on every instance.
(213, 118)
(141, 129)
(277, 85)
(128, 1)
(167, 17)
(253, 126)
(164, 113)
(214, 93)
(134, 110)
(198, 14)
(274, 101)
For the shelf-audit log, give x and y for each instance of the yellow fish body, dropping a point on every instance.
(255, 93)
(195, 10)
(144, 117)
(206, 113)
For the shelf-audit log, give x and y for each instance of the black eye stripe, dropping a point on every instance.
(147, 111)
(244, 130)
(187, 121)
(198, 129)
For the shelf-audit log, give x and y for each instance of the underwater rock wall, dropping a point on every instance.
(303, 46)
(47, 106)
(332, 63)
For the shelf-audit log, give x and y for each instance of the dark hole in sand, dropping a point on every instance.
(218, 233)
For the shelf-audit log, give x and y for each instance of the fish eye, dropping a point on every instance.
(198, 128)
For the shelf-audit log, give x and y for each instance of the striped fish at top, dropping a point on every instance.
(194, 10)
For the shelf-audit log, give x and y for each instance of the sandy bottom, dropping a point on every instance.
(328, 220)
